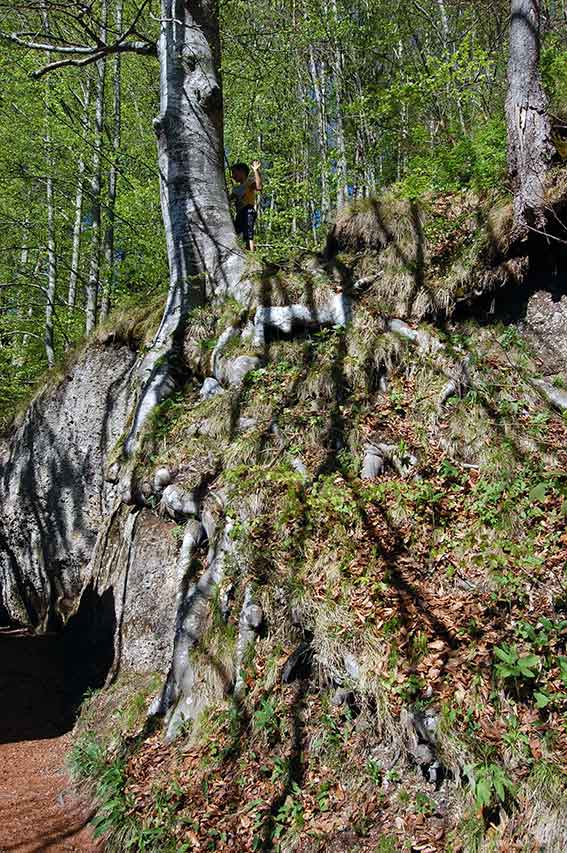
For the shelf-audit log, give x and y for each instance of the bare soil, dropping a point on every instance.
(39, 811)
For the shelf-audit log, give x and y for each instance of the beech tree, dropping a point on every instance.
(113, 172)
(529, 131)
(337, 99)
(93, 282)
(51, 245)
(204, 258)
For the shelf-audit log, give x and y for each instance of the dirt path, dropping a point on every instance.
(38, 810)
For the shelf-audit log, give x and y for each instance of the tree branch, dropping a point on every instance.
(91, 54)
(143, 48)
(15, 38)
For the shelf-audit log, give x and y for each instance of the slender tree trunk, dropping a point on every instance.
(25, 249)
(48, 336)
(271, 213)
(403, 134)
(113, 174)
(21, 274)
(51, 258)
(77, 224)
(342, 169)
(318, 83)
(93, 281)
(342, 166)
(203, 254)
(444, 23)
(529, 131)
(20, 359)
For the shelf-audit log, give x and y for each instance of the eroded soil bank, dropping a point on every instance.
(38, 809)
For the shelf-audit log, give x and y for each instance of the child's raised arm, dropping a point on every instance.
(256, 165)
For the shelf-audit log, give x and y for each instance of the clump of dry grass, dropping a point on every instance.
(427, 257)
(133, 326)
(373, 224)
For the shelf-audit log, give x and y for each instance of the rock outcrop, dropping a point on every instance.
(308, 550)
(53, 494)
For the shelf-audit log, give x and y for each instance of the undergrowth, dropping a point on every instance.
(436, 590)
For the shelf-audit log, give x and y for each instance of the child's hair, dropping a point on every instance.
(241, 167)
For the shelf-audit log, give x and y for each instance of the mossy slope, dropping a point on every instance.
(433, 595)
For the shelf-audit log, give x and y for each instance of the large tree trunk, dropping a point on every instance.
(203, 254)
(109, 262)
(93, 282)
(529, 131)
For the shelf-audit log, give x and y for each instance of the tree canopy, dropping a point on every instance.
(338, 100)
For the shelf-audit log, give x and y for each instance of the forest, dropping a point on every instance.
(283, 426)
(338, 102)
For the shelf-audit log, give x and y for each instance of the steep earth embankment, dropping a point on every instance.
(343, 553)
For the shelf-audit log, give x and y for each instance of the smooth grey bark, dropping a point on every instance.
(79, 196)
(529, 130)
(205, 261)
(318, 82)
(342, 166)
(25, 250)
(109, 263)
(444, 23)
(181, 700)
(22, 274)
(93, 281)
(51, 261)
(342, 182)
(403, 132)
(51, 248)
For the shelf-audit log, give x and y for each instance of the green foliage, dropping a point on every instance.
(491, 785)
(387, 844)
(554, 71)
(265, 718)
(87, 758)
(514, 666)
(477, 160)
(516, 739)
(375, 771)
(89, 762)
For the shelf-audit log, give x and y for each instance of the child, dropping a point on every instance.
(244, 197)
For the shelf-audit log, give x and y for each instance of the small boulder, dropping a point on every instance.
(254, 616)
(210, 388)
(352, 666)
(236, 370)
(556, 396)
(244, 424)
(147, 490)
(341, 696)
(175, 501)
(372, 463)
(298, 465)
(162, 478)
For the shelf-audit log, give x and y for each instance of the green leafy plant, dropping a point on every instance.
(513, 666)
(265, 717)
(375, 771)
(491, 785)
(514, 738)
